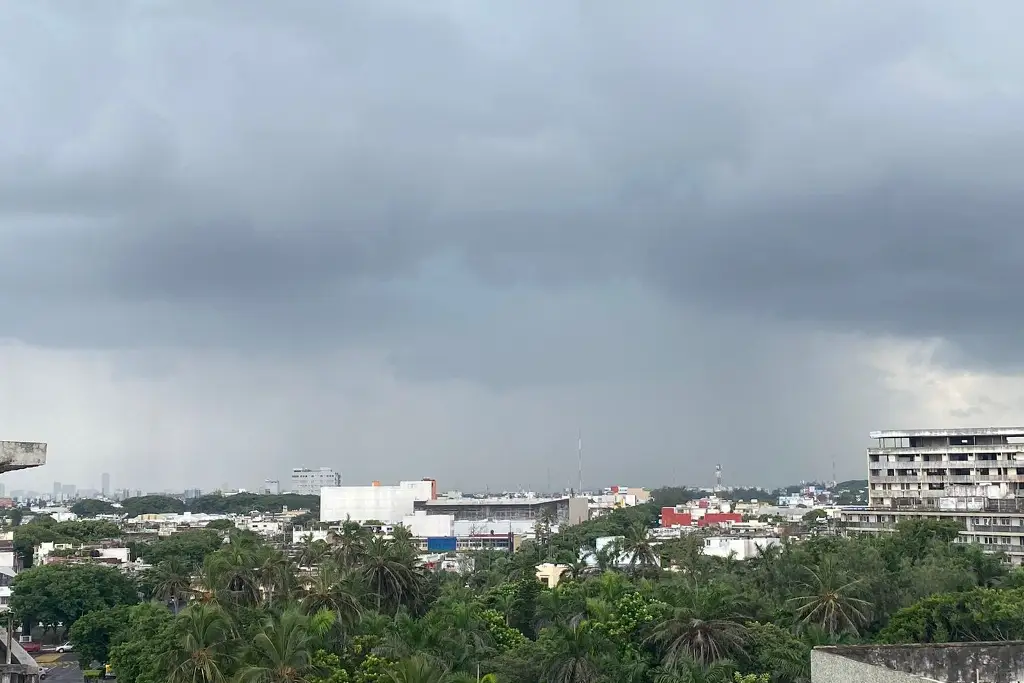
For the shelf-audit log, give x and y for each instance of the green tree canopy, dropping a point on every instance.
(59, 594)
(190, 547)
(90, 507)
(151, 505)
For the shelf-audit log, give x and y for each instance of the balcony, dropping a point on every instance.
(867, 525)
(997, 528)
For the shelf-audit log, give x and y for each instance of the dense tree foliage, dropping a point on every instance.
(44, 529)
(236, 504)
(361, 609)
(151, 505)
(57, 595)
(242, 503)
(190, 547)
(90, 507)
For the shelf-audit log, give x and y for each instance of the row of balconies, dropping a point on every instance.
(946, 478)
(979, 529)
(997, 528)
(1000, 449)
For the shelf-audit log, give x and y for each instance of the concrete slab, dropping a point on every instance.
(20, 455)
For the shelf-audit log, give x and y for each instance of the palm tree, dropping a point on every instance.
(390, 574)
(505, 604)
(464, 634)
(273, 573)
(636, 544)
(408, 637)
(704, 627)
(348, 544)
(202, 653)
(402, 535)
(574, 655)
(417, 669)
(556, 606)
(339, 591)
(690, 671)
(231, 570)
(172, 581)
(830, 601)
(280, 653)
(579, 567)
(311, 552)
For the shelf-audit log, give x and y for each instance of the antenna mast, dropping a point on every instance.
(579, 453)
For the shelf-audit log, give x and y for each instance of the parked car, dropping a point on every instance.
(66, 647)
(31, 647)
(43, 673)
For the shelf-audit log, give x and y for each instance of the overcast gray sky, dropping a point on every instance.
(410, 239)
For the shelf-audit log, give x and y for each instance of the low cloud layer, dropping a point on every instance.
(701, 236)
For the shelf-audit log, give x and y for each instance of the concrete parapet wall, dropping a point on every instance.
(997, 662)
(20, 455)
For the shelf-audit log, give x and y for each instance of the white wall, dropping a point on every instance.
(122, 554)
(299, 535)
(465, 528)
(744, 548)
(423, 525)
(10, 559)
(388, 504)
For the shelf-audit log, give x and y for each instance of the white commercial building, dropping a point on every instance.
(387, 504)
(308, 482)
(739, 547)
(422, 525)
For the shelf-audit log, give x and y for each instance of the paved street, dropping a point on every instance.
(63, 668)
(65, 674)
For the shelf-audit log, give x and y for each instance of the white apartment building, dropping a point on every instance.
(973, 476)
(308, 482)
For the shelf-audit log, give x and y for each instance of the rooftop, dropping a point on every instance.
(494, 501)
(970, 431)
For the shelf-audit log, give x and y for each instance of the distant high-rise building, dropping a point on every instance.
(272, 486)
(3, 490)
(192, 493)
(57, 490)
(309, 482)
(69, 491)
(105, 484)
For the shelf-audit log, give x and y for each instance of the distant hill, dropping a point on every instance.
(851, 485)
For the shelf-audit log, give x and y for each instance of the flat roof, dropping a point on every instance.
(493, 501)
(970, 431)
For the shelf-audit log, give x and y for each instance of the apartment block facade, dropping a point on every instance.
(973, 476)
(308, 482)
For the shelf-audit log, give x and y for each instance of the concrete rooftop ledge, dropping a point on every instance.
(988, 662)
(21, 455)
(968, 431)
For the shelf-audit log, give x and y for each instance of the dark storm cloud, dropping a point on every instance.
(258, 171)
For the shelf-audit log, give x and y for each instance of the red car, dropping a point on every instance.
(30, 647)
